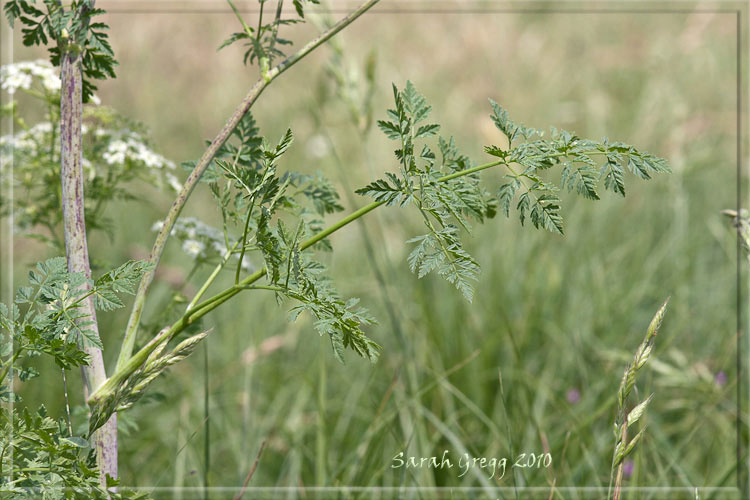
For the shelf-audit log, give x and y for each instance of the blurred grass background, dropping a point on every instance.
(557, 317)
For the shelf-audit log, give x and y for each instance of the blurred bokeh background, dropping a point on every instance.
(558, 318)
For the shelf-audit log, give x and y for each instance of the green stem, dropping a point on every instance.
(343, 222)
(264, 287)
(222, 296)
(472, 170)
(10, 363)
(260, 22)
(199, 310)
(244, 242)
(206, 413)
(279, 7)
(254, 194)
(218, 299)
(161, 239)
(372, 206)
(242, 21)
(212, 303)
(320, 424)
(74, 304)
(212, 277)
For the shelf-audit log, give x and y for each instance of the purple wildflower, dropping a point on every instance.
(573, 396)
(627, 468)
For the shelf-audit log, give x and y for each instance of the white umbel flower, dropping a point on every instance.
(21, 75)
(203, 242)
(116, 152)
(26, 142)
(193, 248)
(130, 146)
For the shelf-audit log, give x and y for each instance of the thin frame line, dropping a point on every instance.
(741, 479)
(443, 11)
(7, 225)
(415, 489)
(8, 228)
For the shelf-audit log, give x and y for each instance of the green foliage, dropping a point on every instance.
(448, 193)
(54, 303)
(41, 457)
(263, 206)
(340, 320)
(441, 251)
(263, 42)
(52, 321)
(579, 171)
(47, 461)
(124, 279)
(390, 191)
(255, 202)
(72, 30)
(444, 204)
(506, 126)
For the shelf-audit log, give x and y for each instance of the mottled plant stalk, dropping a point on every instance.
(76, 248)
(161, 239)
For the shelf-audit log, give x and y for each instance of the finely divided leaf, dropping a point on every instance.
(124, 279)
(391, 193)
(582, 178)
(545, 213)
(391, 130)
(613, 177)
(506, 193)
(427, 130)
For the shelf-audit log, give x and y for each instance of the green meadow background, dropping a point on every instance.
(557, 318)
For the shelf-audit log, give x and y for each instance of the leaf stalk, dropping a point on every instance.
(131, 330)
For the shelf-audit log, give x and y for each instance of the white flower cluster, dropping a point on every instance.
(122, 146)
(25, 142)
(129, 146)
(33, 142)
(21, 75)
(199, 240)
